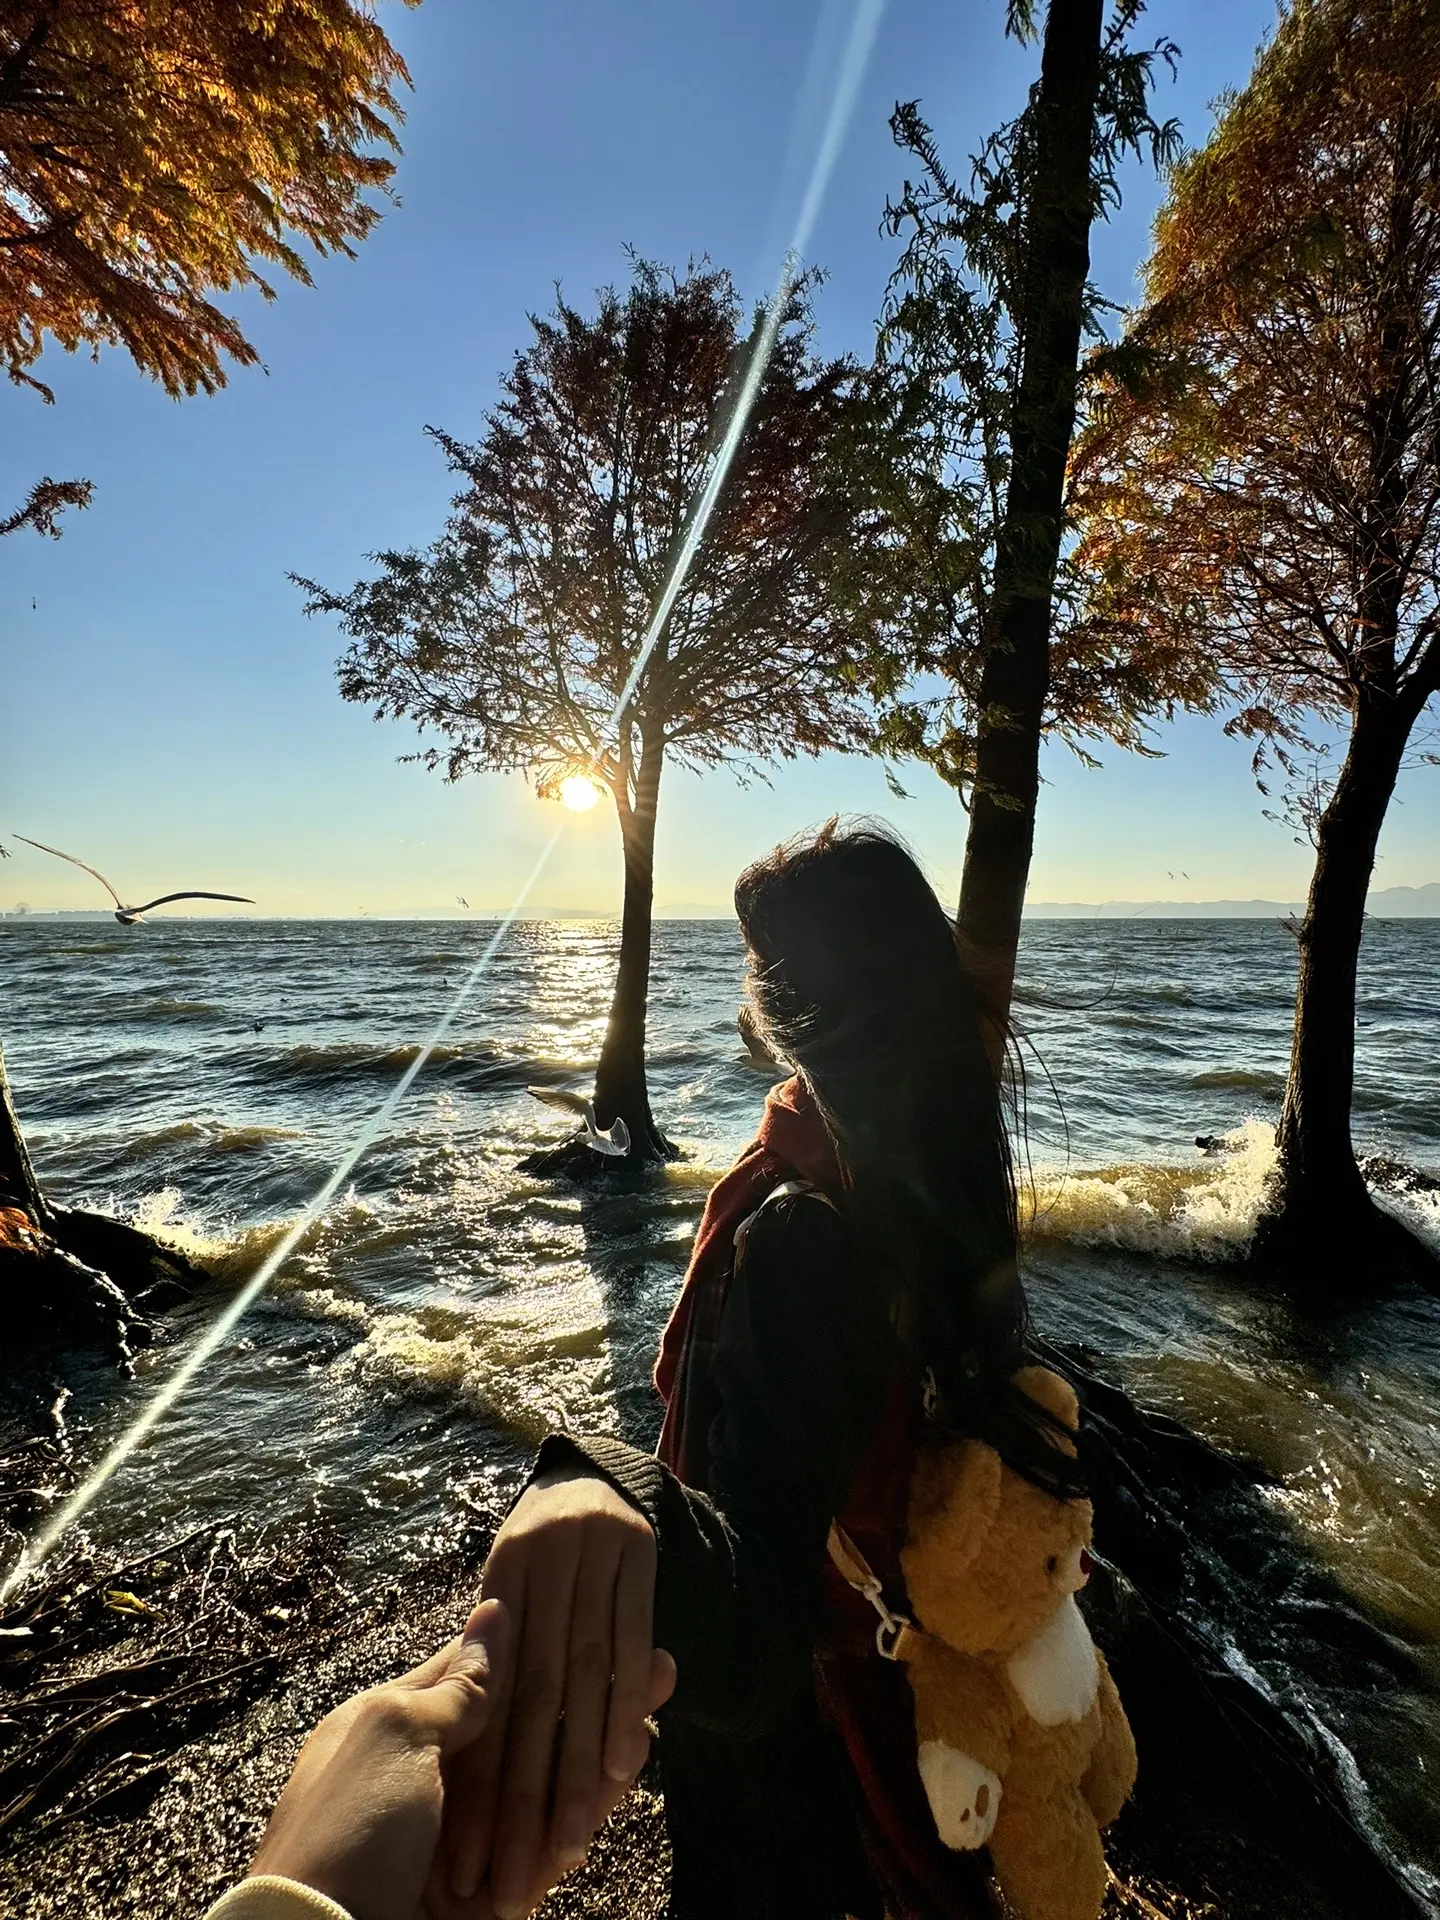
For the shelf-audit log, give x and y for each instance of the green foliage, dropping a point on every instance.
(942, 403)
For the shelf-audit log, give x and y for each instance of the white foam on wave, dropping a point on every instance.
(1204, 1211)
(1419, 1211)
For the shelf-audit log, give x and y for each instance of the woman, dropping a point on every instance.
(854, 1282)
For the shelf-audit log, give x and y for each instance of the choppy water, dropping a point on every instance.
(206, 1075)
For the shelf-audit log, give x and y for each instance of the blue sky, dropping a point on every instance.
(169, 713)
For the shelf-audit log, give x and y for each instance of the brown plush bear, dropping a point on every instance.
(1024, 1745)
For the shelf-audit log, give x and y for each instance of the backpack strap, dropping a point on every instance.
(787, 1190)
(896, 1633)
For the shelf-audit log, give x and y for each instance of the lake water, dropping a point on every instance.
(204, 1076)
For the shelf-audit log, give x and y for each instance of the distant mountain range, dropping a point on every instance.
(1386, 903)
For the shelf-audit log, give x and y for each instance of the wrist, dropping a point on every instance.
(561, 1475)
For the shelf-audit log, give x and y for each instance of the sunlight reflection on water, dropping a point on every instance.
(449, 1309)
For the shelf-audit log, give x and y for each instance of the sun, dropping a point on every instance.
(578, 793)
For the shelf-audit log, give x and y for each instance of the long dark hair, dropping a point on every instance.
(856, 979)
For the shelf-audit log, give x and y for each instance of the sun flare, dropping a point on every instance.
(578, 793)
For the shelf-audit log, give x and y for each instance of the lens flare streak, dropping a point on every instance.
(863, 28)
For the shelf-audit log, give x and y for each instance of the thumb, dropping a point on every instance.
(662, 1678)
(463, 1696)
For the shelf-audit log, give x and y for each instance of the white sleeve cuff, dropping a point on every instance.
(270, 1897)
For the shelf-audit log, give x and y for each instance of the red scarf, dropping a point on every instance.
(865, 1700)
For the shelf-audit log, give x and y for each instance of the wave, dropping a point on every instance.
(216, 1137)
(166, 1009)
(528, 1373)
(1240, 1080)
(484, 1062)
(1205, 1211)
(226, 1252)
(95, 946)
(1416, 1209)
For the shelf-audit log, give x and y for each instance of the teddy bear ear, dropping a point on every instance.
(956, 1487)
(1048, 1390)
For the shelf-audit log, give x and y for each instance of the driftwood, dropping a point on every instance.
(109, 1663)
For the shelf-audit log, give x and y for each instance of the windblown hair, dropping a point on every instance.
(856, 979)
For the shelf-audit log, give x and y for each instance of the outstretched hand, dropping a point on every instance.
(360, 1817)
(574, 1565)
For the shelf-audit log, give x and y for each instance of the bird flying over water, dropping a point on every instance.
(129, 916)
(614, 1141)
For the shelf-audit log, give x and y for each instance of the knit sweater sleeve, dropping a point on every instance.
(799, 1365)
(268, 1896)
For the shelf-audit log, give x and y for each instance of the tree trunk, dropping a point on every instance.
(18, 1186)
(620, 1087)
(73, 1278)
(1015, 677)
(1321, 1225)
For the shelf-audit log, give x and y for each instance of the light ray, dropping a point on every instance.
(39, 1549)
(859, 43)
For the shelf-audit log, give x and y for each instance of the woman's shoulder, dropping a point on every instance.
(794, 1215)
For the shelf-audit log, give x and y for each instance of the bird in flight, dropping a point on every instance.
(460, 900)
(129, 916)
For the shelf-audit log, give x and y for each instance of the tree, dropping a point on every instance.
(149, 156)
(1264, 489)
(976, 396)
(45, 502)
(517, 633)
(152, 155)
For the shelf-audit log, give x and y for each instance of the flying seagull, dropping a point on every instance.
(128, 916)
(615, 1142)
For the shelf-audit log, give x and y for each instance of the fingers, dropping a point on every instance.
(662, 1678)
(627, 1740)
(441, 1901)
(540, 1679)
(473, 1775)
(587, 1695)
(461, 1699)
(429, 1671)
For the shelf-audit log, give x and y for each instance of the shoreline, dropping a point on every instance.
(184, 1829)
(176, 1837)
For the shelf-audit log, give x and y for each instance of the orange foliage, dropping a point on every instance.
(154, 151)
(1263, 486)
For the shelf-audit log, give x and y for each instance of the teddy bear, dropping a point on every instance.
(1023, 1743)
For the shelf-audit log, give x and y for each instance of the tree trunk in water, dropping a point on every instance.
(1321, 1225)
(621, 1092)
(1015, 677)
(73, 1278)
(18, 1186)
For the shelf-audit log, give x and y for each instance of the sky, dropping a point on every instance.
(170, 715)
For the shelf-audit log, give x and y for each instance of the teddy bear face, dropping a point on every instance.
(989, 1558)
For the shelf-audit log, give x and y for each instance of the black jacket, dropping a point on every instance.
(757, 1792)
